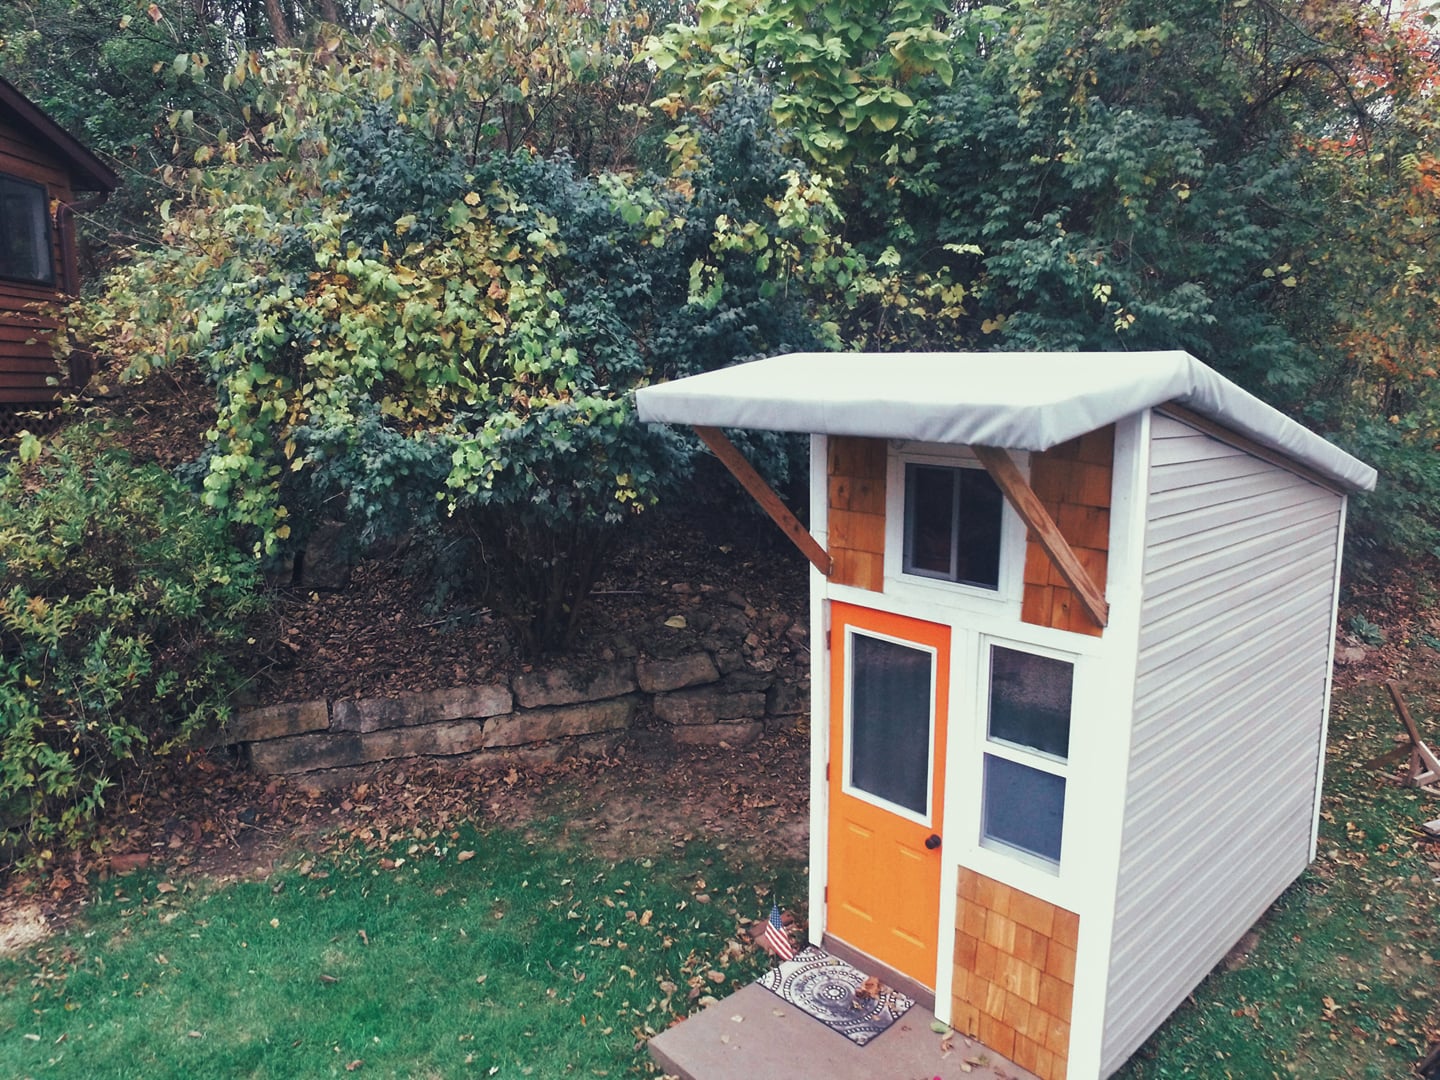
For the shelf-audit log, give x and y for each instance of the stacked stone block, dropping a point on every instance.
(703, 697)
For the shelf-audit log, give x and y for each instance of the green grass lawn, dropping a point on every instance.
(521, 959)
(524, 953)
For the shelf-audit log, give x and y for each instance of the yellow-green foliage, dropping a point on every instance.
(122, 606)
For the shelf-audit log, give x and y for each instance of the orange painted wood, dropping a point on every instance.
(883, 883)
(1018, 493)
(761, 492)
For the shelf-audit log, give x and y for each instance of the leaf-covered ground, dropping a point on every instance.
(359, 925)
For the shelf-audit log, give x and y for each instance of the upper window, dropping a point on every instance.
(25, 232)
(952, 524)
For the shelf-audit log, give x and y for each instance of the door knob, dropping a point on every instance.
(932, 841)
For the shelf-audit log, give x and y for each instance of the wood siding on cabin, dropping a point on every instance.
(1238, 587)
(1072, 480)
(27, 360)
(856, 513)
(1014, 978)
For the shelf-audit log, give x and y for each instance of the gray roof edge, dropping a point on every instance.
(1216, 397)
(837, 394)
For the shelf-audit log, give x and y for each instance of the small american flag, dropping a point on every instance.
(774, 938)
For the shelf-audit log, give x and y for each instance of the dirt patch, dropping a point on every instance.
(21, 925)
(213, 819)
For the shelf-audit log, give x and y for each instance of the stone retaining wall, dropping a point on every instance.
(708, 697)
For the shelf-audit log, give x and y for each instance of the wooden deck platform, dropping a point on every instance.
(755, 1035)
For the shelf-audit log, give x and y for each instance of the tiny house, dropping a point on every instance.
(1074, 622)
(41, 169)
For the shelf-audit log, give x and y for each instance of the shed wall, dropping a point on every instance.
(1236, 618)
(856, 505)
(26, 359)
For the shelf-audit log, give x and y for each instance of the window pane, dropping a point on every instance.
(978, 540)
(1030, 700)
(890, 721)
(952, 524)
(24, 231)
(929, 519)
(1024, 807)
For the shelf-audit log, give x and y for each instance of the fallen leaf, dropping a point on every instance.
(465, 856)
(195, 1034)
(354, 1065)
(364, 937)
(737, 1018)
(939, 1027)
(645, 919)
(676, 622)
(328, 978)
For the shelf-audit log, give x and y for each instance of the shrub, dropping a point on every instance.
(123, 609)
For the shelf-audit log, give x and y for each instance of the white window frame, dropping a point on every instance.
(926, 588)
(864, 796)
(1038, 760)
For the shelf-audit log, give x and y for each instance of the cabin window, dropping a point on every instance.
(952, 524)
(1026, 753)
(25, 232)
(891, 722)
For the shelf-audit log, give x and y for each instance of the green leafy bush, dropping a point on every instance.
(122, 611)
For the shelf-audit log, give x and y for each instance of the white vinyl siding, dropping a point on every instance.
(1230, 698)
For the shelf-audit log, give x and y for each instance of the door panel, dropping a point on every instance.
(888, 696)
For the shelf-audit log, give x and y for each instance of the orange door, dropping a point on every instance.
(889, 688)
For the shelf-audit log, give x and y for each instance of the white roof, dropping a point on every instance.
(1020, 401)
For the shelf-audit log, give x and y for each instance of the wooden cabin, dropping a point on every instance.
(1069, 717)
(42, 168)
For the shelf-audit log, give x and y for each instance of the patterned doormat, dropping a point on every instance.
(824, 987)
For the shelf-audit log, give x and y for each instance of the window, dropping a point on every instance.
(891, 713)
(952, 524)
(1027, 749)
(24, 231)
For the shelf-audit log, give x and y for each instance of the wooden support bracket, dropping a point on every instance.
(761, 492)
(1424, 768)
(1027, 504)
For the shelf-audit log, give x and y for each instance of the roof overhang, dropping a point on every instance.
(1016, 401)
(87, 172)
